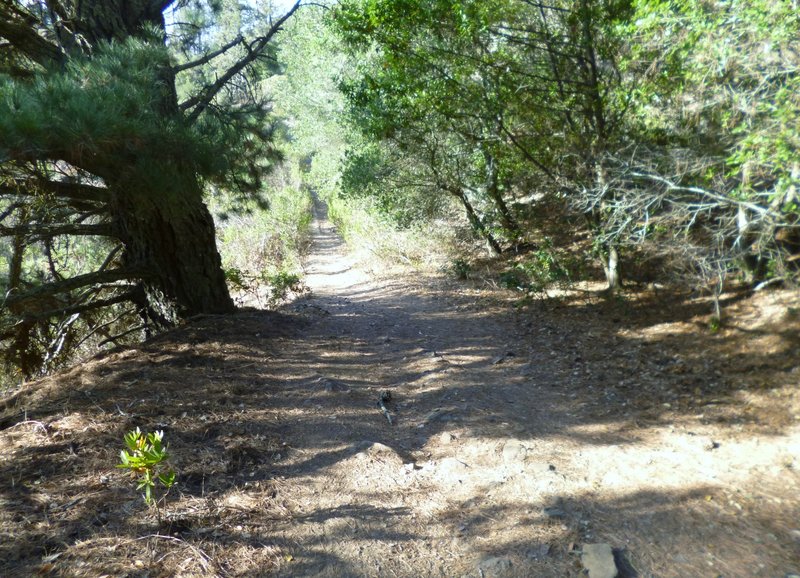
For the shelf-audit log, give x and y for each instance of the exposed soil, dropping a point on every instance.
(517, 437)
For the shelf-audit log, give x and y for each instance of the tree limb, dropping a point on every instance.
(97, 277)
(46, 231)
(201, 101)
(702, 192)
(63, 189)
(208, 57)
(525, 152)
(73, 309)
(18, 27)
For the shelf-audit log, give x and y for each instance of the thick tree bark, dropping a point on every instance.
(168, 232)
(171, 234)
(166, 262)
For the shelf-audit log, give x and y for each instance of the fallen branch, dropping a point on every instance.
(385, 398)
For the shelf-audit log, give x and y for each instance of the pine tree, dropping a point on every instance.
(96, 146)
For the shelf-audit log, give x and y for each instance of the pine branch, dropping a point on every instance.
(77, 309)
(254, 49)
(49, 231)
(94, 278)
(208, 57)
(62, 189)
(18, 28)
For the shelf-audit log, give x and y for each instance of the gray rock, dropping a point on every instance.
(538, 552)
(554, 513)
(598, 559)
(495, 567)
(377, 452)
(514, 452)
(439, 415)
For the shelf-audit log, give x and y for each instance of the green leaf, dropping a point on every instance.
(168, 479)
(124, 458)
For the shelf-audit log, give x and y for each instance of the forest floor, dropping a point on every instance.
(518, 437)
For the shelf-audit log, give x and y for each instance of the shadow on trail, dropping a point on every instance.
(250, 399)
(447, 363)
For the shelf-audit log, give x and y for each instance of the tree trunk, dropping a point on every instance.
(170, 234)
(142, 190)
(477, 224)
(163, 223)
(611, 267)
(609, 253)
(494, 193)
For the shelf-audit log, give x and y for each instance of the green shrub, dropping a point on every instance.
(281, 283)
(367, 230)
(541, 269)
(262, 250)
(461, 268)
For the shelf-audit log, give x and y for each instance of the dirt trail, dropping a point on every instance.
(515, 440)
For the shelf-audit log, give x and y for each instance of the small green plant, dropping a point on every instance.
(281, 283)
(539, 270)
(514, 279)
(461, 268)
(146, 457)
(237, 278)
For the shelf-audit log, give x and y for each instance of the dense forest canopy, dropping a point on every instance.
(671, 127)
(658, 136)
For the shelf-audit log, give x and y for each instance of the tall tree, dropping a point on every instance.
(522, 90)
(428, 81)
(95, 143)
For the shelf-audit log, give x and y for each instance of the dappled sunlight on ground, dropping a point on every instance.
(517, 436)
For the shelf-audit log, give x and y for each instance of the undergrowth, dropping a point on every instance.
(262, 249)
(424, 245)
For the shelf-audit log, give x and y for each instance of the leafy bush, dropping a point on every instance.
(283, 282)
(367, 230)
(254, 239)
(263, 288)
(461, 268)
(542, 268)
(262, 249)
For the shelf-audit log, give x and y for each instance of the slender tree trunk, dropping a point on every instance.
(477, 223)
(494, 193)
(611, 267)
(610, 253)
(596, 131)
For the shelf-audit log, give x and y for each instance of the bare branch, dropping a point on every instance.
(702, 192)
(114, 338)
(208, 57)
(201, 101)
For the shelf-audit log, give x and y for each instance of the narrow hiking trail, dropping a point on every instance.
(515, 441)
(506, 452)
